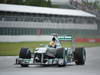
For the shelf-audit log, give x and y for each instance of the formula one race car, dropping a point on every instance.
(47, 55)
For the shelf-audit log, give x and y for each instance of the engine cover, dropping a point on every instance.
(40, 50)
(51, 52)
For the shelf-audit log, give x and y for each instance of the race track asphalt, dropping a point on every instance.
(92, 66)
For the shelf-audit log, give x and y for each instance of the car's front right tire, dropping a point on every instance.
(25, 54)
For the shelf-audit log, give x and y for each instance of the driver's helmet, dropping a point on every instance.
(53, 42)
(53, 39)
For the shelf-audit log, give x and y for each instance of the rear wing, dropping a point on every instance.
(65, 38)
(68, 38)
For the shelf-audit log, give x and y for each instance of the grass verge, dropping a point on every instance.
(12, 49)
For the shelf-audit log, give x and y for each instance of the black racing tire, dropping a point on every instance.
(24, 65)
(80, 56)
(25, 53)
(60, 53)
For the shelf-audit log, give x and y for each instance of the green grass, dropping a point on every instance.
(12, 49)
(69, 44)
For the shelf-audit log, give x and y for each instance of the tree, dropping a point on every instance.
(49, 3)
(2, 1)
(43, 3)
(36, 2)
(96, 4)
(11, 1)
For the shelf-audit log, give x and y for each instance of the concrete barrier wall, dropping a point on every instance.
(29, 38)
(24, 38)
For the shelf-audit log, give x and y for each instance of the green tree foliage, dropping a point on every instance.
(2, 1)
(33, 2)
(96, 4)
(11, 1)
(49, 3)
(43, 3)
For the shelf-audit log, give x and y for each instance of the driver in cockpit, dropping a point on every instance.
(53, 43)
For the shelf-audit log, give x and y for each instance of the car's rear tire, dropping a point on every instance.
(25, 53)
(80, 56)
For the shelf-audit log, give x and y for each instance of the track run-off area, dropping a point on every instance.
(92, 66)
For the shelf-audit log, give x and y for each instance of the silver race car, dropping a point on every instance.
(47, 55)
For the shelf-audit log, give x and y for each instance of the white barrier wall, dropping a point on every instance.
(24, 38)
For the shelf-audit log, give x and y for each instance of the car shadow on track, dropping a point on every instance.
(45, 66)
